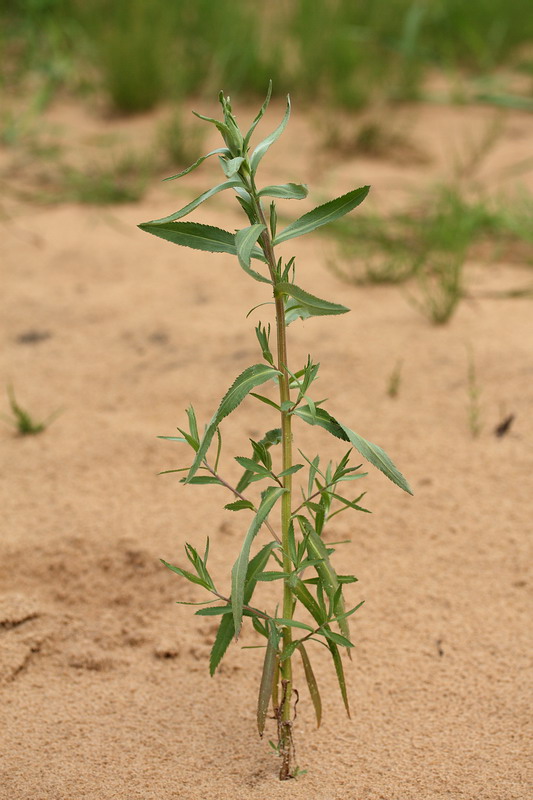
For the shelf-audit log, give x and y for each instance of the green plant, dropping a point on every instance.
(393, 384)
(296, 553)
(121, 180)
(474, 393)
(22, 419)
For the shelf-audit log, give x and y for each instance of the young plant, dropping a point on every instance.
(295, 552)
(22, 419)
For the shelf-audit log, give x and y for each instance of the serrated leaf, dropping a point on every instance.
(245, 240)
(238, 573)
(290, 470)
(293, 623)
(252, 466)
(271, 576)
(202, 479)
(238, 505)
(372, 452)
(213, 611)
(219, 150)
(194, 235)
(311, 683)
(286, 191)
(267, 678)
(251, 377)
(322, 215)
(263, 146)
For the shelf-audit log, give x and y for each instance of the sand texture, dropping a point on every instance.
(104, 685)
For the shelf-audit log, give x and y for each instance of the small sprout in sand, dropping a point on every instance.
(295, 553)
(22, 419)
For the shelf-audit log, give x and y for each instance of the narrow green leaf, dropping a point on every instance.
(286, 191)
(245, 240)
(263, 146)
(372, 452)
(196, 202)
(322, 215)
(238, 505)
(238, 573)
(291, 470)
(202, 479)
(219, 150)
(337, 638)
(339, 669)
(213, 611)
(307, 305)
(247, 380)
(267, 679)
(188, 575)
(253, 466)
(194, 235)
(265, 400)
(293, 623)
(311, 683)
(271, 576)
(258, 118)
(225, 633)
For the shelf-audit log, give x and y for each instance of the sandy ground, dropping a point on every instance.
(104, 686)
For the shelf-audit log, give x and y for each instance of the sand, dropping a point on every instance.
(104, 685)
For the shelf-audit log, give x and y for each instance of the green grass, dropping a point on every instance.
(349, 53)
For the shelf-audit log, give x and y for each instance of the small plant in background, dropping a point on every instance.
(393, 385)
(22, 420)
(295, 553)
(474, 394)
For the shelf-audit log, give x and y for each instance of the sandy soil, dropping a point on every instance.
(104, 685)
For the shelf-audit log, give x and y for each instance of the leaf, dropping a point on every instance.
(252, 466)
(258, 117)
(213, 611)
(245, 241)
(221, 150)
(184, 574)
(196, 202)
(372, 452)
(307, 305)
(199, 479)
(231, 166)
(238, 505)
(194, 235)
(311, 683)
(322, 215)
(291, 470)
(339, 669)
(337, 638)
(286, 191)
(251, 377)
(293, 623)
(226, 628)
(272, 576)
(267, 678)
(238, 573)
(263, 146)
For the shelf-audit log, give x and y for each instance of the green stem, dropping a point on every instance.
(285, 721)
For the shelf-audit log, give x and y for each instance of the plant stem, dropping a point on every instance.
(285, 722)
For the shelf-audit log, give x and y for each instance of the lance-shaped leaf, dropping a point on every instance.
(311, 683)
(322, 215)
(233, 182)
(306, 305)
(372, 452)
(219, 151)
(267, 678)
(339, 669)
(286, 191)
(263, 146)
(238, 573)
(258, 117)
(245, 241)
(318, 552)
(251, 377)
(226, 629)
